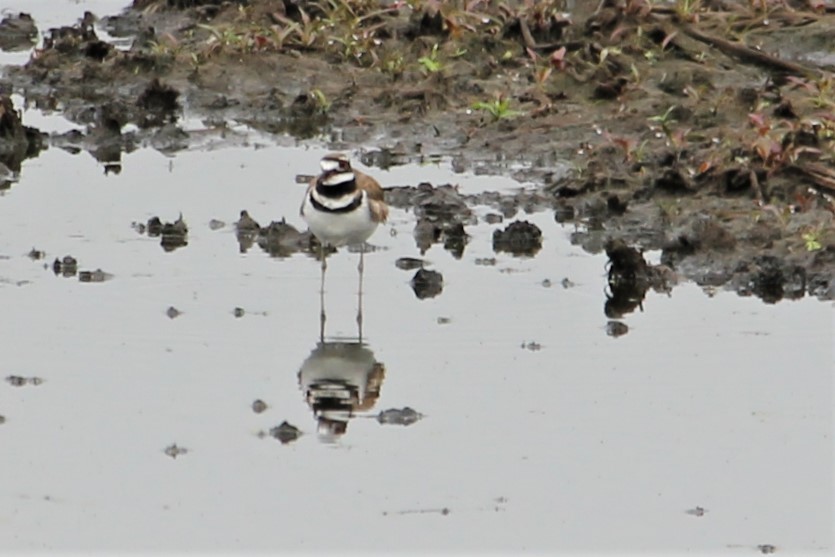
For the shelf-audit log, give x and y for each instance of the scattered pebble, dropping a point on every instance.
(259, 406)
(239, 312)
(486, 261)
(172, 312)
(174, 451)
(567, 283)
(216, 224)
(403, 416)
(444, 321)
(532, 346)
(493, 218)
(285, 432)
(766, 548)
(697, 511)
(35, 254)
(66, 267)
(18, 381)
(409, 263)
(546, 283)
(94, 276)
(616, 328)
(427, 284)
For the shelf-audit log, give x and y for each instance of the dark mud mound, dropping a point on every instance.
(520, 238)
(427, 284)
(18, 32)
(17, 142)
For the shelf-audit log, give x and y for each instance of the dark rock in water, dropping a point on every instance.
(770, 279)
(18, 381)
(174, 451)
(259, 406)
(520, 238)
(238, 312)
(427, 284)
(94, 276)
(66, 267)
(173, 235)
(172, 312)
(246, 223)
(394, 416)
(409, 263)
(285, 432)
(18, 32)
(279, 239)
(616, 328)
(629, 279)
(154, 227)
(35, 254)
(17, 142)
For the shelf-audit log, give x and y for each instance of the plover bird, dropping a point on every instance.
(342, 207)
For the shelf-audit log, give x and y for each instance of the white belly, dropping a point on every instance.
(340, 229)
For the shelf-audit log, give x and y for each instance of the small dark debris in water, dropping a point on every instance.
(94, 276)
(285, 432)
(279, 239)
(2, 419)
(493, 218)
(154, 227)
(66, 267)
(259, 406)
(519, 238)
(246, 223)
(216, 224)
(19, 381)
(442, 511)
(532, 346)
(567, 283)
(427, 284)
(239, 312)
(402, 416)
(766, 548)
(409, 263)
(444, 321)
(35, 254)
(546, 283)
(174, 451)
(485, 261)
(172, 312)
(616, 328)
(697, 511)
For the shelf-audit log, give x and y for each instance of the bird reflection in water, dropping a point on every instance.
(339, 379)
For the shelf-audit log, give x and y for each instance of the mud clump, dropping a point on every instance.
(259, 406)
(403, 416)
(159, 103)
(285, 432)
(17, 142)
(94, 276)
(18, 32)
(175, 450)
(280, 239)
(427, 284)
(629, 278)
(20, 381)
(172, 235)
(520, 238)
(66, 267)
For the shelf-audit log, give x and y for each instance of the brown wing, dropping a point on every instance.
(376, 196)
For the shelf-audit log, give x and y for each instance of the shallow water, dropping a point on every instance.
(540, 431)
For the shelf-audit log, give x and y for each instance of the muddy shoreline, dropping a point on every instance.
(647, 127)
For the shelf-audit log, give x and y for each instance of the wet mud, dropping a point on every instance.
(649, 127)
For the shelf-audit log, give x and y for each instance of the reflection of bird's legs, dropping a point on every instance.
(322, 294)
(360, 268)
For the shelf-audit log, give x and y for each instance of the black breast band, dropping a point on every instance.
(346, 209)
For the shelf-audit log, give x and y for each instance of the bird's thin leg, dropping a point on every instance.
(322, 316)
(360, 268)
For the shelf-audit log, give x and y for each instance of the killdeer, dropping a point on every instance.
(342, 207)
